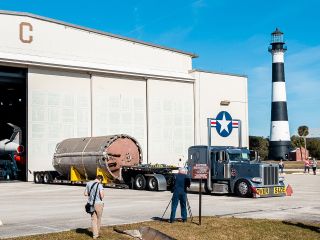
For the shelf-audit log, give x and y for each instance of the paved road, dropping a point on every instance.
(27, 208)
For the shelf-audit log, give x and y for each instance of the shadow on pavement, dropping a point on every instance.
(304, 226)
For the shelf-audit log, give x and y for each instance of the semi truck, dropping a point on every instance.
(236, 170)
(231, 170)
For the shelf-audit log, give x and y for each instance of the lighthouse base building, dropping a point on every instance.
(59, 80)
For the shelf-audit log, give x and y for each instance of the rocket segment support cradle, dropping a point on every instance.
(85, 155)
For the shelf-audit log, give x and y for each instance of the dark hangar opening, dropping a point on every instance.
(13, 110)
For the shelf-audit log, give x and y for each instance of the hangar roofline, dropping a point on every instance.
(222, 73)
(26, 14)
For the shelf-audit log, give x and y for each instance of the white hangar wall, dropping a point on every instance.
(59, 43)
(212, 88)
(171, 120)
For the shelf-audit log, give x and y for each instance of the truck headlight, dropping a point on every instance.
(257, 179)
(281, 179)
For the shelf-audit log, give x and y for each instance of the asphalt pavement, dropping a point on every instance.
(28, 208)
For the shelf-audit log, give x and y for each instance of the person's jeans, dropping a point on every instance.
(182, 197)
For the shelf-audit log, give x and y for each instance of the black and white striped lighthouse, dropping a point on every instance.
(279, 142)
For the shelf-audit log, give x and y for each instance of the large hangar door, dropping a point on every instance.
(13, 105)
(119, 107)
(171, 121)
(59, 108)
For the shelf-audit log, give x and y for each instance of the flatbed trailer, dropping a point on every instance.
(140, 177)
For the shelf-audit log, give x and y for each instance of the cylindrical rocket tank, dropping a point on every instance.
(87, 154)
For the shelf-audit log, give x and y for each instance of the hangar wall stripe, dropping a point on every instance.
(280, 131)
(279, 111)
(279, 92)
(278, 72)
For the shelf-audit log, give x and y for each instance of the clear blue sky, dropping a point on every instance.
(229, 36)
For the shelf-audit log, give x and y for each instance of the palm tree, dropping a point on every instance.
(303, 132)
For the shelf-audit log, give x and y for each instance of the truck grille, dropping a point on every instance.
(270, 175)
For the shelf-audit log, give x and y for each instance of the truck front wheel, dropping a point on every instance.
(140, 182)
(243, 188)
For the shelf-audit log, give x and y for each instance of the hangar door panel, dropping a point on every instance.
(171, 121)
(59, 108)
(119, 107)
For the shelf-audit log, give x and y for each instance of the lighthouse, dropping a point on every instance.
(279, 142)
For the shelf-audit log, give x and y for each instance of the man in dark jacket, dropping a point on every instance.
(182, 182)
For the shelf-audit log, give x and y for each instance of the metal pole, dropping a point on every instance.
(189, 209)
(166, 209)
(200, 198)
(239, 133)
(209, 185)
(209, 131)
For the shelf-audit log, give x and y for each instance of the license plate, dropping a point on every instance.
(279, 190)
(263, 191)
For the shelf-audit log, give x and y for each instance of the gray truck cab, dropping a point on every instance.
(234, 170)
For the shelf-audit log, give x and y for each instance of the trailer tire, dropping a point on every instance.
(140, 182)
(47, 178)
(37, 178)
(153, 184)
(243, 188)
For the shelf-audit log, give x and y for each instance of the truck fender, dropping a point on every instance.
(161, 181)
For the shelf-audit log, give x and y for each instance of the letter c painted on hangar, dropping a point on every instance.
(24, 28)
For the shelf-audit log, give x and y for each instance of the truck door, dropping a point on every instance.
(213, 164)
(220, 162)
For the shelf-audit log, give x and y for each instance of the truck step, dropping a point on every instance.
(220, 188)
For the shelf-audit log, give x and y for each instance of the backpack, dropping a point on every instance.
(90, 207)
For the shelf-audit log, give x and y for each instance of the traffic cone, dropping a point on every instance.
(289, 190)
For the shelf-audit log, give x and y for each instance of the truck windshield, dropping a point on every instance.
(238, 155)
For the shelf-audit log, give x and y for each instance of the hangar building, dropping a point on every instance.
(59, 80)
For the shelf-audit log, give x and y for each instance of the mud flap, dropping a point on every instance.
(254, 192)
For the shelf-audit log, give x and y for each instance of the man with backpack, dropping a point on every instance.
(94, 191)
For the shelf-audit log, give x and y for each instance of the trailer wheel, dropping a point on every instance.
(47, 178)
(37, 178)
(153, 184)
(243, 188)
(140, 182)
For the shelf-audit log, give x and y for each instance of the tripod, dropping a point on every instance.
(188, 207)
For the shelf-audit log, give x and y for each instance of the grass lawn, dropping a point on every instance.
(289, 164)
(211, 228)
